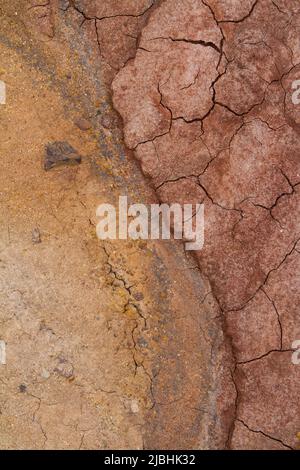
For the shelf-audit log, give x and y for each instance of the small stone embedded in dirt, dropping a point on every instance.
(135, 406)
(36, 236)
(142, 343)
(60, 153)
(64, 368)
(22, 388)
(83, 124)
(45, 374)
(138, 296)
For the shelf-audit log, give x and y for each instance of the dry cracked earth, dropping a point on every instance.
(138, 344)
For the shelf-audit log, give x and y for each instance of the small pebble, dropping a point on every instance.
(135, 406)
(36, 236)
(45, 374)
(138, 296)
(83, 124)
(60, 153)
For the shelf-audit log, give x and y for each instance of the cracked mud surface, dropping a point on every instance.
(132, 345)
(207, 107)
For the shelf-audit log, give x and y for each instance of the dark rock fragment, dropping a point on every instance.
(60, 153)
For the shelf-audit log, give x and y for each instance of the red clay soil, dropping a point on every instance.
(207, 107)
